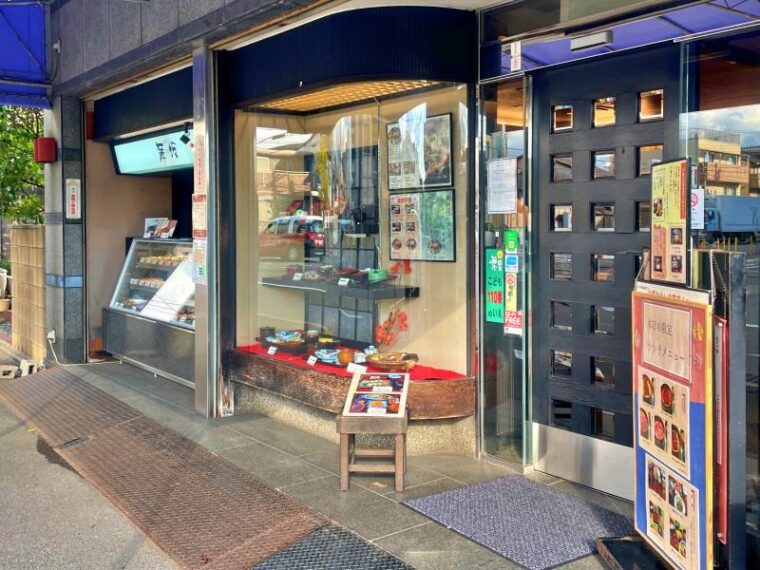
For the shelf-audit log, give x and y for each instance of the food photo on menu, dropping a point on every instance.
(656, 519)
(656, 479)
(677, 497)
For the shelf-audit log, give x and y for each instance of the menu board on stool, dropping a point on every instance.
(377, 394)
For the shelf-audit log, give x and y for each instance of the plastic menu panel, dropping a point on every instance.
(673, 422)
(156, 282)
(375, 394)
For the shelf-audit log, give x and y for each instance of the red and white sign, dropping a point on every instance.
(513, 322)
(697, 208)
(73, 199)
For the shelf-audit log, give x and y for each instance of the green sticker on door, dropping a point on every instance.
(494, 281)
(511, 241)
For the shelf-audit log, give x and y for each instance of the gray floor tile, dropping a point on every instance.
(594, 562)
(603, 500)
(271, 466)
(416, 475)
(424, 489)
(368, 514)
(433, 547)
(289, 439)
(465, 469)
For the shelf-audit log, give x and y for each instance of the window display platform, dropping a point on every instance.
(433, 393)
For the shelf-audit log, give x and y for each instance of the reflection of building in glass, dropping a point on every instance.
(753, 152)
(722, 168)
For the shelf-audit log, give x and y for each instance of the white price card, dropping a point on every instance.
(343, 281)
(297, 276)
(312, 360)
(272, 350)
(353, 367)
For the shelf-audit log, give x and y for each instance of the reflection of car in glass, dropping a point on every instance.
(290, 237)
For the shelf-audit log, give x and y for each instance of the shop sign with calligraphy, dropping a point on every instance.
(671, 210)
(673, 424)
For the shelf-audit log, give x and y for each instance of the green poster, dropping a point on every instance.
(494, 280)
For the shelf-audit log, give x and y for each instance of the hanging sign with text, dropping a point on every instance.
(671, 212)
(673, 424)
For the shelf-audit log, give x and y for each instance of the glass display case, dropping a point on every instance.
(156, 282)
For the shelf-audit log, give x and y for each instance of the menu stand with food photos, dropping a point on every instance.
(673, 422)
(375, 404)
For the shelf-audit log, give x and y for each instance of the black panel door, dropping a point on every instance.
(599, 126)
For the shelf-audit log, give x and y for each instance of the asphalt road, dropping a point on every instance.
(53, 519)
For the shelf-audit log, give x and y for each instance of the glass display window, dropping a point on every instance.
(649, 155)
(156, 282)
(350, 218)
(720, 133)
(651, 105)
(604, 112)
(603, 164)
(562, 118)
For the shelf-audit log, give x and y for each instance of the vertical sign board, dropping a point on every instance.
(671, 211)
(200, 211)
(494, 281)
(73, 199)
(673, 423)
(513, 316)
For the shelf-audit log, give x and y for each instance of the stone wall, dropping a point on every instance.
(28, 290)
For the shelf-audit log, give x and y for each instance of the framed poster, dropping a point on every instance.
(419, 151)
(671, 213)
(377, 394)
(673, 423)
(422, 226)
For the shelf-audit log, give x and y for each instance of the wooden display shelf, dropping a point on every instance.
(158, 266)
(427, 400)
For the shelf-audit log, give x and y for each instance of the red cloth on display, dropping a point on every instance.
(418, 373)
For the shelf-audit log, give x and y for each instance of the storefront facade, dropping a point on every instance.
(474, 194)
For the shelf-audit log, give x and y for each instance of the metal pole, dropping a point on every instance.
(207, 361)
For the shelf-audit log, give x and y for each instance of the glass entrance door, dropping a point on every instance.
(502, 239)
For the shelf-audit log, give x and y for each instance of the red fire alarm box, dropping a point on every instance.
(45, 150)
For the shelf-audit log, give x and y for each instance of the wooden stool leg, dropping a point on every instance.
(399, 462)
(345, 442)
(406, 458)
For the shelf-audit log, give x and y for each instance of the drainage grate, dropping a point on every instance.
(332, 548)
(199, 508)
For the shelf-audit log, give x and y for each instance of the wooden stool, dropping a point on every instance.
(348, 427)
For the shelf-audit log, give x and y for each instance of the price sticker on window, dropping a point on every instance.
(343, 281)
(312, 360)
(353, 367)
(272, 350)
(297, 276)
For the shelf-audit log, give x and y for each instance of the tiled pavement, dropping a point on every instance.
(306, 467)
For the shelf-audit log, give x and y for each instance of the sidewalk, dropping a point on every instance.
(52, 518)
(305, 467)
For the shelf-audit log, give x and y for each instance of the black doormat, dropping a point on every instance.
(332, 548)
(524, 521)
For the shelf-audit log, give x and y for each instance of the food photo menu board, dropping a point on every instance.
(377, 394)
(422, 226)
(672, 371)
(671, 211)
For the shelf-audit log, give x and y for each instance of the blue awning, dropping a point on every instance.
(23, 66)
(699, 18)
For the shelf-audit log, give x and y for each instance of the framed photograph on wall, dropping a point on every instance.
(422, 226)
(419, 151)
